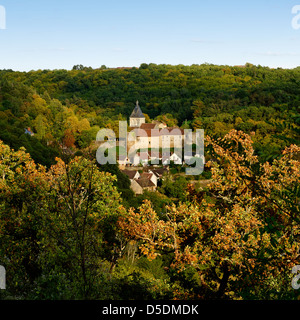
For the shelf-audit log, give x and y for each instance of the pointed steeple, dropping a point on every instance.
(137, 112)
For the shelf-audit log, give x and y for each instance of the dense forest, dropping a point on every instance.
(72, 229)
(72, 105)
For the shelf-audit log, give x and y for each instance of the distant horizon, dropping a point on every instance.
(158, 64)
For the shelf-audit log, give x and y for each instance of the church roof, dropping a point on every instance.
(148, 126)
(137, 112)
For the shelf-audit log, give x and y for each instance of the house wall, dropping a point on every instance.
(152, 189)
(137, 122)
(157, 142)
(136, 188)
(154, 179)
(172, 140)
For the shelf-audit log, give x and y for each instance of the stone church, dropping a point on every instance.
(137, 117)
(155, 143)
(155, 135)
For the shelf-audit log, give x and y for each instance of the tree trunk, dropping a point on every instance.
(223, 282)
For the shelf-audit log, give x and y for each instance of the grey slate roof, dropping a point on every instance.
(137, 112)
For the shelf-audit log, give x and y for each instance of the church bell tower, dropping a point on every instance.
(137, 118)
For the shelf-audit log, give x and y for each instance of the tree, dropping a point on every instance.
(80, 227)
(198, 108)
(168, 119)
(87, 137)
(69, 139)
(40, 126)
(37, 106)
(186, 125)
(147, 118)
(83, 125)
(176, 188)
(57, 223)
(22, 185)
(242, 236)
(198, 123)
(78, 67)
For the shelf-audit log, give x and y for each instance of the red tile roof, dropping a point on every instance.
(147, 126)
(141, 132)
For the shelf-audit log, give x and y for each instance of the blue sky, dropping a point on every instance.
(52, 34)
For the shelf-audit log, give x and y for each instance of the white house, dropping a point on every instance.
(149, 175)
(173, 157)
(142, 158)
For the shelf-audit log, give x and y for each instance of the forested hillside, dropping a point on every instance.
(72, 229)
(65, 233)
(71, 106)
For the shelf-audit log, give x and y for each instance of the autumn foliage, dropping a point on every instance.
(242, 234)
(65, 234)
(57, 223)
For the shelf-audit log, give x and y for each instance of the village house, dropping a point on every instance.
(174, 157)
(159, 172)
(131, 174)
(29, 131)
(152, 137)
(149, 176)
(140, 185)
(141, 182)
(144, 182)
